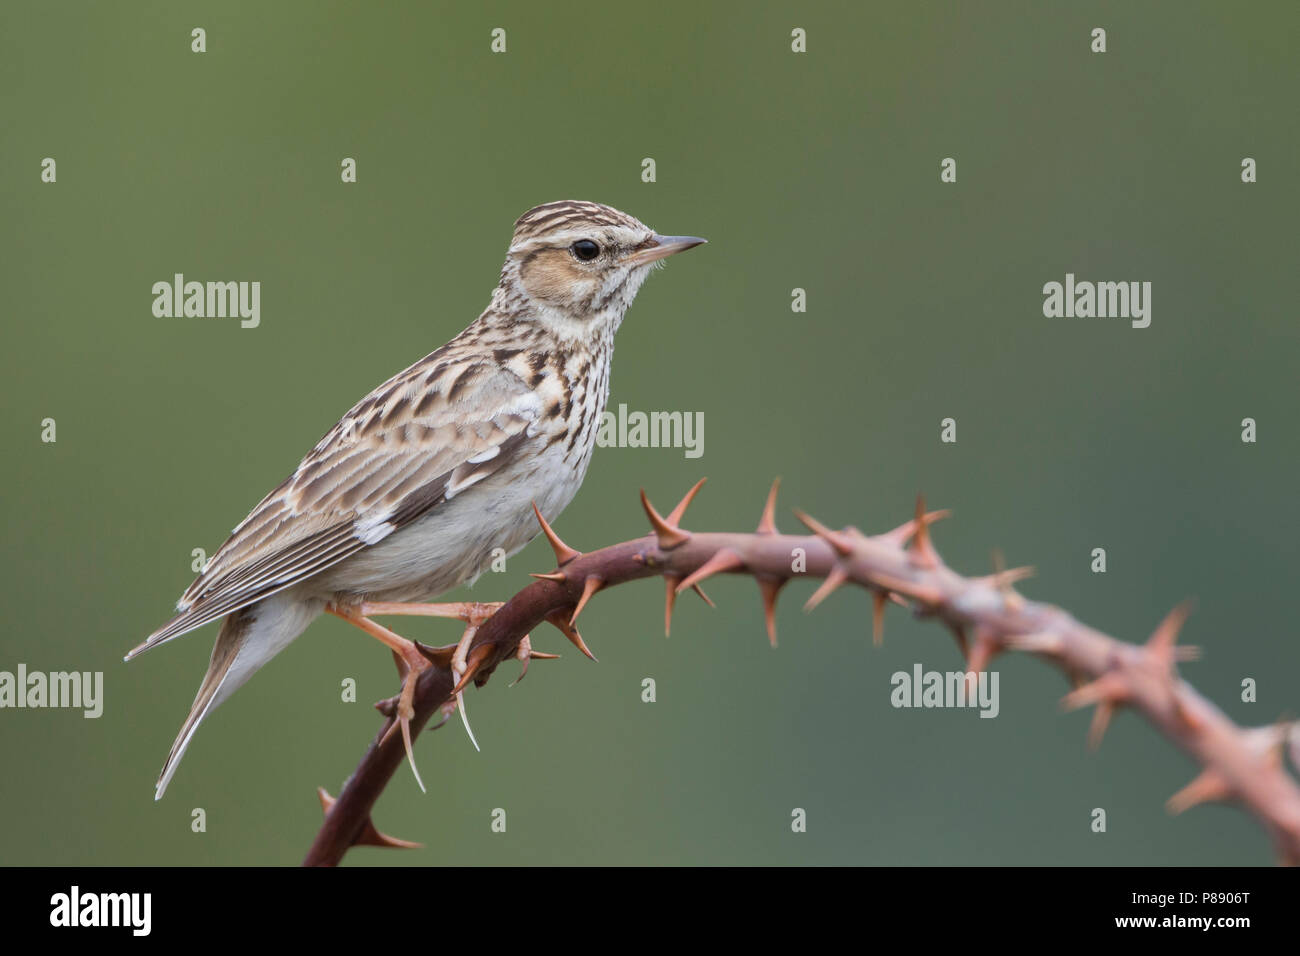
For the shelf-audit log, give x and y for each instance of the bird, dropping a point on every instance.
(413, 490)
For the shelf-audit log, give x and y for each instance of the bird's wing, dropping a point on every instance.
(417, 441)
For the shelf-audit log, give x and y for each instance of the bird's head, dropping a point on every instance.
(580, 264)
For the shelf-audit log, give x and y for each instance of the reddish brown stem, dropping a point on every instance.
(1242, 765)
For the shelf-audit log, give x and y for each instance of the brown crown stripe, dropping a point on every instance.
(553, 217)
(562, 206)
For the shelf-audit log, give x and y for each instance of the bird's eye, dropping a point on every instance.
(585, 250)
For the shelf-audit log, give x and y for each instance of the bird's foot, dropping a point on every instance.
(415, 665)
(473, 613)
(410, 661)
(525, 653)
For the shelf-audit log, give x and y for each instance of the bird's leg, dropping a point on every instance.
(473, 613)
(416, 664)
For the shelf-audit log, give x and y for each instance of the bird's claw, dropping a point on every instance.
(459, 667)
(416, 664)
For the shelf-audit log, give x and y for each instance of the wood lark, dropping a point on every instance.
(410, 493)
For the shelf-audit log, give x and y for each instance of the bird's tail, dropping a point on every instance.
(230, 639)
(248, 639)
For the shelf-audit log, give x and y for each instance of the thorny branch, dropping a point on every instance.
(986, 615)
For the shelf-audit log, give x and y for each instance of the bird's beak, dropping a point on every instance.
(661, 247)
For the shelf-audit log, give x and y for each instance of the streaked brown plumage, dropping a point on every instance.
(408, 495)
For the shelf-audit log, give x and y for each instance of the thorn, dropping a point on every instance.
(959, 635)
(1208, 787)
(1271, 741)
(477, 656)
(675, 517)
(590, 586)
(1076, 677)
(525, 653)
(668, 536)
(769, 588)
(1003, 577)
(999, 566)
(878, 601)
(1002, 581)
(439, 656)
(1107, 691)
(557, 576)
(1287, 742)
(563, 553)
(387, 706)
(561, 622)
(723, 560)
(373, 837)
(1160, 646)
(1016, 575)
(1109, 686)
(932, 596)
(986, 645)
(368, 836)
(401, 666)
(903, 533)
(922, 552)
(767, 523)
(835, 539)
(836, 577)
(670, 598)
(1100, 721)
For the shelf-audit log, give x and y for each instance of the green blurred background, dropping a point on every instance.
(818, 171)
